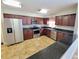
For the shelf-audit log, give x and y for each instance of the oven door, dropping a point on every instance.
(36, 33)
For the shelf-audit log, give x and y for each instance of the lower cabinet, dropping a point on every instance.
(60, 36)
(28, 33)
(46, 32)
(65, 37)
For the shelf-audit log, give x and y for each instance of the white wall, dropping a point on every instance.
(2, 28)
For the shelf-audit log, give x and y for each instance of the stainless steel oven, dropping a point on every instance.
(36, 33)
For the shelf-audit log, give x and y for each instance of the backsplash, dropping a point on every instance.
(56, 26)
(37, 25)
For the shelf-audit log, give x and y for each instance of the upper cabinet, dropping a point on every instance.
(26, 20)
(65, 20)
(71, 21)
(58, 20)
(45, 20)
(39, 20)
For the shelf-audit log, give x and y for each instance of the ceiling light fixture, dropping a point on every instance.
(43, 11)
(13, 3)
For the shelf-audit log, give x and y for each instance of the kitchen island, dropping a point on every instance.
(25, 49)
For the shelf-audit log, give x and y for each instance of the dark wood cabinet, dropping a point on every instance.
(64, 37)
(27, 33)
(39, 20)
(71, 21)
(46, 32)
(42, 31)
(26, 20)
(65, 20)
(45, 20)
(60, 36)
(58, 20)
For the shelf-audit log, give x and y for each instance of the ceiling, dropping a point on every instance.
(32, 6)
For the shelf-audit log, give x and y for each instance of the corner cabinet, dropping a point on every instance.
(46, 32)
(65, 20)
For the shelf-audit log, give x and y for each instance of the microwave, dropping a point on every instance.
(34, 21)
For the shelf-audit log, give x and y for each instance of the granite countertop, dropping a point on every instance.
(69, 29)
(25, 49)
(58, 29)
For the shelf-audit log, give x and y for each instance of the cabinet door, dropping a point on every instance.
(68, 38)
(26, 20)
(48, 33)
(45, 32)
(60, 36)
(39, 20)
(41, 32)
(58, 20)
(65, 20)
(45, 20)
(28, 34)
(71, 20)
(65, 37)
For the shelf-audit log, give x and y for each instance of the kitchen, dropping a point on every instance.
(36, 33)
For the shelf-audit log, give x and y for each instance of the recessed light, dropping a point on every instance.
(43, 11)
(13, 3)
